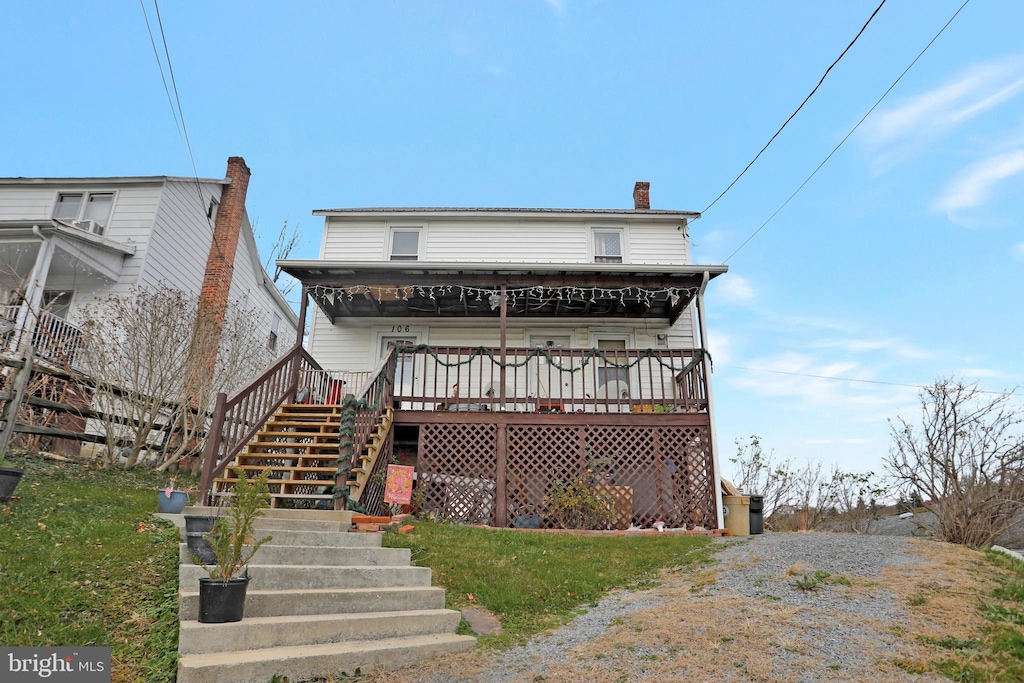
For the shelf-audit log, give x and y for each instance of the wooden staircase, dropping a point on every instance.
(299, 445)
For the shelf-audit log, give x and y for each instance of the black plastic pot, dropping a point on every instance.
(201, 523)
(196, 529)
(9, 479)
(222, 601)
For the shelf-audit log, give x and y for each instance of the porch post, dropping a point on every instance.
(31, 310)
(302, 317)
(504, 330)
(716, 464)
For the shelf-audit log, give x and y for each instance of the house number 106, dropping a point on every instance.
(400, 328)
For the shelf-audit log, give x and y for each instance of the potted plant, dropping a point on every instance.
(171, 501)
(9, 478)
(222, 595)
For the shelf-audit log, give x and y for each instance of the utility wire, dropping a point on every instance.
(851, 379)
(160, 66)
(177, 112)
(852, 130)
(822, 80)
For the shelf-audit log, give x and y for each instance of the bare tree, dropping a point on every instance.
(241, 354)
(282, 248)
(764, 474)
(850, 500)
(142, 347)
(967, 455)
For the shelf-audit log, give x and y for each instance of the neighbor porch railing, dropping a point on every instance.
(554, 380)
(54, 339)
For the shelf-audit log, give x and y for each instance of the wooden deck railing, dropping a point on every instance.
(237, 418)
(553, 380)
(378, 394)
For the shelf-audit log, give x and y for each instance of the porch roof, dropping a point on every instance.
(372, 289)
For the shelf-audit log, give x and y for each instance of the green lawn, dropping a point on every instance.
(82, 563)
(534, 581)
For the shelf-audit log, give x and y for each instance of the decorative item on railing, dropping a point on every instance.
(346, 453)
(591, 355)
(346, 443)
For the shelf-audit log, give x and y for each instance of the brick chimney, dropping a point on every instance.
(220, 266)
(642, 196)
(220, 263)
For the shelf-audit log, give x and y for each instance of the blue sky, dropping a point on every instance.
(900, 262)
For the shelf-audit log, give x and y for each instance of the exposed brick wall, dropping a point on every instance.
(642, 195)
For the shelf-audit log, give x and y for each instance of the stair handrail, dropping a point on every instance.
(238, 417)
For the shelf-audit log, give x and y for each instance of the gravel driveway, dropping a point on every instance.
(746, 619)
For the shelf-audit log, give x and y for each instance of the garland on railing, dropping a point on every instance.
(346, 445)
(535, 353)
(346, 453)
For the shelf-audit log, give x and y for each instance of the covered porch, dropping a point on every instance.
(491, 429)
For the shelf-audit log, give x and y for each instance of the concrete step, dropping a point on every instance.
(278, 513)
(267, 577)
(326, 661)
(334, 557)
(253, 633)
(261, 603)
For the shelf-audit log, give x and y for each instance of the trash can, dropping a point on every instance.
(756, 514)
(737, 515)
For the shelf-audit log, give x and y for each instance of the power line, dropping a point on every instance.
(160, 67)
(797, 110)
(177, 112)
(852, 130)
(852, 379)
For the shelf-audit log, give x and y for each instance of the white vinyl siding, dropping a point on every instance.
(181, 238)
(505, 241)
(354, 241)
(21, 203)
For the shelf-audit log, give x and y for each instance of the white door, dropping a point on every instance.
(405, 370)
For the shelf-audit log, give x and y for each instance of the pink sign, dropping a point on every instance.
(398, 487)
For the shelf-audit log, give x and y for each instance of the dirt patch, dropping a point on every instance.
(885, 627)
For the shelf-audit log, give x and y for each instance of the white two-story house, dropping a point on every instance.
(66, 243)
(522, 347)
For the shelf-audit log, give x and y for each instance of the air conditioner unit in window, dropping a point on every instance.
(89, 226)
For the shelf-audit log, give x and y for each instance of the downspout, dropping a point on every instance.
(716, 463)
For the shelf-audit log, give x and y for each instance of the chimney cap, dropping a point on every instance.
(642, 195)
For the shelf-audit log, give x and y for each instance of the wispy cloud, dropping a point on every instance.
(892, 346)
(905, 130)
(975, 185)
(556, 5)
(1018, 251)
(976, 373)
(735, 289)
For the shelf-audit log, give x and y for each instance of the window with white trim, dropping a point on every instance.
(607, 245)
(87, 210)
(275, 325)
(406, 244)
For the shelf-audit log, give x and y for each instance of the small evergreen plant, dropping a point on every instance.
(233, 536)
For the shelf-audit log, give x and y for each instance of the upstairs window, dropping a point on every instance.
(405, 244)
(88, 210)
(607, 246)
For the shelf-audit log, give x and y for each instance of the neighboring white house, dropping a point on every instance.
(67, 242)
